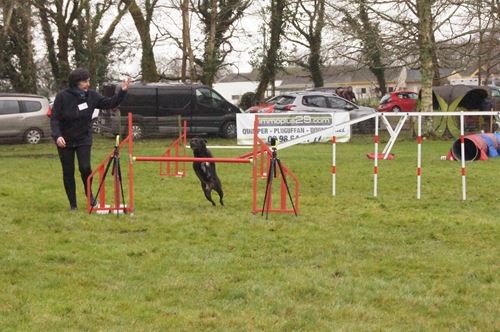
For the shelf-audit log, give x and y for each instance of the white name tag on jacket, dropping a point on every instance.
(83, 106)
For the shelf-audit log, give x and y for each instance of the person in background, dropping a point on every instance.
(349, 94)
(340, 92)
(70, 123)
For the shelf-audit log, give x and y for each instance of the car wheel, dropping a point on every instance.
(396, 109)
(96, 129)
(137, 131)
(33, 136)
(228, 129)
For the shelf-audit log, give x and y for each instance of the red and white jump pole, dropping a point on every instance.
(334, 164)
(419, 155)
(375, 160)
(462, 148)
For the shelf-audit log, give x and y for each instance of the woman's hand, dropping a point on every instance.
(61, 142)
(126, 83)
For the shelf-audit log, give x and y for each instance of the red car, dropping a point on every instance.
(266, 107)
(398, 101)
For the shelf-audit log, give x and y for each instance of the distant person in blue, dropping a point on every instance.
(70, 122)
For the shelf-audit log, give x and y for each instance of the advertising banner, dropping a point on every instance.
(287, 127)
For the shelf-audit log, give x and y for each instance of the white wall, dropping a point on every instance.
(233, 89)
(228, 90)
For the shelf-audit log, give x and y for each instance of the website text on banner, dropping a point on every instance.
(286, 127)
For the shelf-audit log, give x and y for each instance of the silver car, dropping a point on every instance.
(24, 116)
(318, 101)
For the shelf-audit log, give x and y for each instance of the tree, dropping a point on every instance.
(17, 55)
(272, 58)
(187, 50)
(181, 38)
(414, 24)
(218, 18)
(365, 31)
(485, 16)
(62, 15)
(308, 20)
(92, 49)
(142, 23)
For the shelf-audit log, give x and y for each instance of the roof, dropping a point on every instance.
(20, 95)
(296, 78)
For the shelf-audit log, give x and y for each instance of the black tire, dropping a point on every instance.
(138, 131)
(396, 109)
(228, 129)
(33, 136)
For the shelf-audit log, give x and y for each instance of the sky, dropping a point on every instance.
(165, 50)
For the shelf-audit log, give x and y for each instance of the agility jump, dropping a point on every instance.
(459, 145)
(261, 155)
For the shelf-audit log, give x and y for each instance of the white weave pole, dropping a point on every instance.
(334, 164)
(375, 160)
(419, 155)
(462, 149)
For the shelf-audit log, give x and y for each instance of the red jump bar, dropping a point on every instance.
(193, 159)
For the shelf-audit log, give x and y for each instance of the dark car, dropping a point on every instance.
(160, 109)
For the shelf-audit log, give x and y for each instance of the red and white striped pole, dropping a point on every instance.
(375, 160)
(462, 149)
(419, 155)
(130, 165)
(334, 166)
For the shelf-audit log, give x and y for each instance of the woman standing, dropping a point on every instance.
(71, 126)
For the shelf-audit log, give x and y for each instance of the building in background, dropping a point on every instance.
(363, 82)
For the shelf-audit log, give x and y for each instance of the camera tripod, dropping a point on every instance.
(272, 173)
(117, 173)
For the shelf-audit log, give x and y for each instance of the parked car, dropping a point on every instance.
(159, 108)
(405, 101)
(319, 101)
(266, 107)
(24, 117)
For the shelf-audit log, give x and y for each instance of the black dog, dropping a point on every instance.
(206, 170)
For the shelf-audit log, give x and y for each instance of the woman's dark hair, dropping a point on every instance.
(76, 76)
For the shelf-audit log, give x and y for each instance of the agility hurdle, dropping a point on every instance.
(260, 156)
(419, 139)
(177, 148)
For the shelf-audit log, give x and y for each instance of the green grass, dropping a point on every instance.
(350, 262)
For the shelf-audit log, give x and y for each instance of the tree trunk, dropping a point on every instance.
(315, 61)
(271, 62)
(187, 50)
(148, 62)
(210, 63)
(426, 64)
(26, 51)
(51, 46)
(315, 65)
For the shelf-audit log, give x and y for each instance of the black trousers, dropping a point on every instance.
(67, 157)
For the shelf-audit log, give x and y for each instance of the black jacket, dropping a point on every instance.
(72, 114)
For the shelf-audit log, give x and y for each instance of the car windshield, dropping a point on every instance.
(273, 100)
(284, 100)
(385, 99)
(336, 102)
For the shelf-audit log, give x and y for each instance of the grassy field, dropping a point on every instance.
(350, 262)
